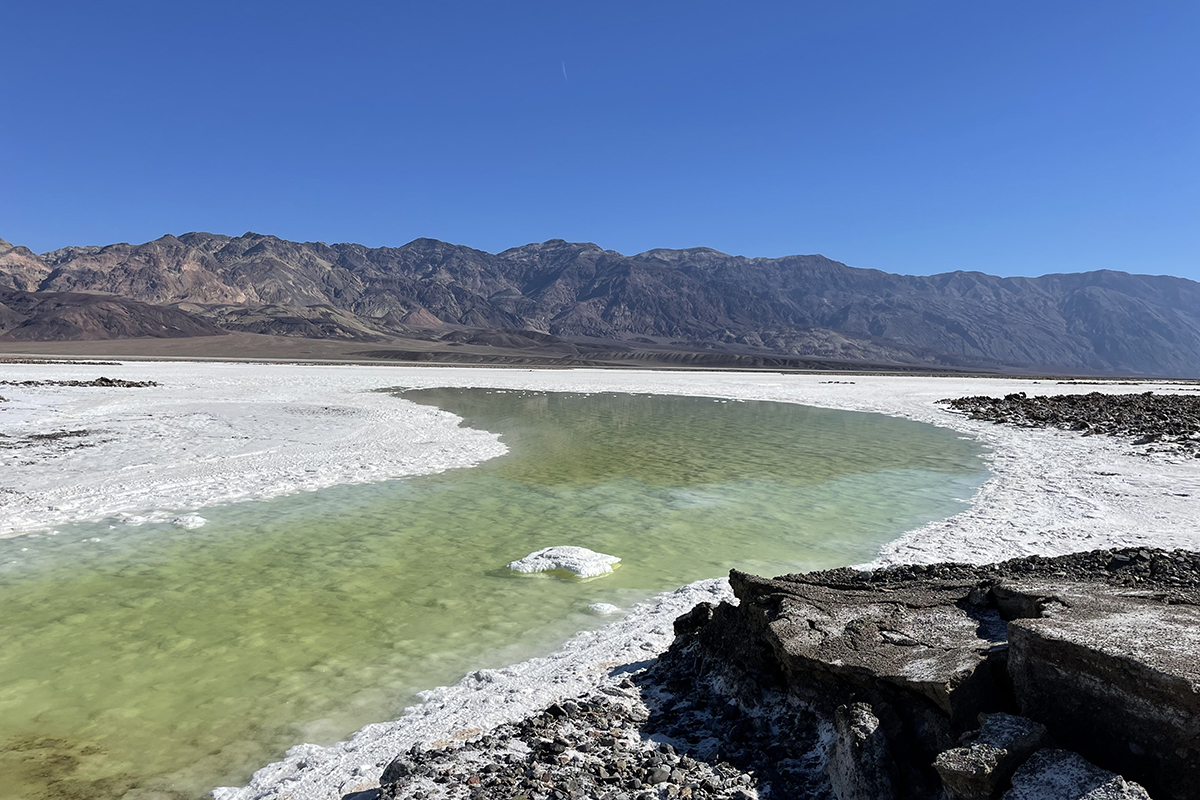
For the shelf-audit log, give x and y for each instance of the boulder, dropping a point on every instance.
(398, 774)
(1063, 775)
(858, 761)
(1098, 647)
(983, 766)
(927, 657)
(1117, 678)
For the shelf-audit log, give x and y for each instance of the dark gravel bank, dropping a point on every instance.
(1173, 422)
(106, 383)
(660, 733)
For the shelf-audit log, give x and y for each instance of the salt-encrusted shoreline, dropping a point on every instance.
(210, 434)
(1050, 492)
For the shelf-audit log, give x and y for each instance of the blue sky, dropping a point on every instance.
(1016, 138)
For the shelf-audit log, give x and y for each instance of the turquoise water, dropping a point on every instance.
(164, 662)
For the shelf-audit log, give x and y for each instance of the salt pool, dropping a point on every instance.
(156, 659)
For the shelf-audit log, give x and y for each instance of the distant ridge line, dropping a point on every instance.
(691, 300)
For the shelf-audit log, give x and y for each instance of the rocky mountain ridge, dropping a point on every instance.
(695, 299)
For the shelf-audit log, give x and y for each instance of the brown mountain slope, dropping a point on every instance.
(697, 300)
(66, 316)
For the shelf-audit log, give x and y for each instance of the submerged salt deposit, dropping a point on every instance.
(579, 561)
(604, 609)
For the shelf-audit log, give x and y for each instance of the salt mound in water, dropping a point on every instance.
(582, 562)
(603, 609)
(189, 521)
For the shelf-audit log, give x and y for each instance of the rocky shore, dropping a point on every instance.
(1068, 677)
(101, 382)
(1146, 418)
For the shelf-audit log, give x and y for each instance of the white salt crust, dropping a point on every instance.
(604, 609)
(579, 561)
(218, 433)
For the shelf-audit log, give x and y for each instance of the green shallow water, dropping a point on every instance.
(158, 662)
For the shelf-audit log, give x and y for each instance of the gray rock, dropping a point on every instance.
(859, 763)
(1117, 678)
(1063, 775)
(981, 768)
(930, 647)
(920, 654)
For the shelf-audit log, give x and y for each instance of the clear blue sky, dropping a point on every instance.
(916, 136)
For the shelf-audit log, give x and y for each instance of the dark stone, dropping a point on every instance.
(927, 648)
(400, 768)
(922, 655)
(988, 758)
(1115, 679)
(859, 763)
(694, 620)
(1062, 775)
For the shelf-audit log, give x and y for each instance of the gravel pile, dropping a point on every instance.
(70, 362)
(108, 383)
(1148, 418)
(1174, 572)
(638, 740)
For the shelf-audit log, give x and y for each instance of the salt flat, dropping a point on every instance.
(220, 433)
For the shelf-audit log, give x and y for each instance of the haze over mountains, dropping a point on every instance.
(574, 299)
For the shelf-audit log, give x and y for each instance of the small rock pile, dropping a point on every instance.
(102, 382)
(1176, 571)
(633, 741)
(72, 363)
(586, 748)
(1146, 417)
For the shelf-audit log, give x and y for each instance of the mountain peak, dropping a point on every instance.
(670, 254)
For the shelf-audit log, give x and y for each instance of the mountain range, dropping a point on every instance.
(578, 299)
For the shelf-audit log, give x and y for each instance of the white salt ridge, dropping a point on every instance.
(255, 431)
(580, 561)
(189, 521)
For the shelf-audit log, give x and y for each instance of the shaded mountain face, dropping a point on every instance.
(690, 299)
(66, 316)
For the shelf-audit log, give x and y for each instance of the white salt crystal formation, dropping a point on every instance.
(603, 609)
(580, 561)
